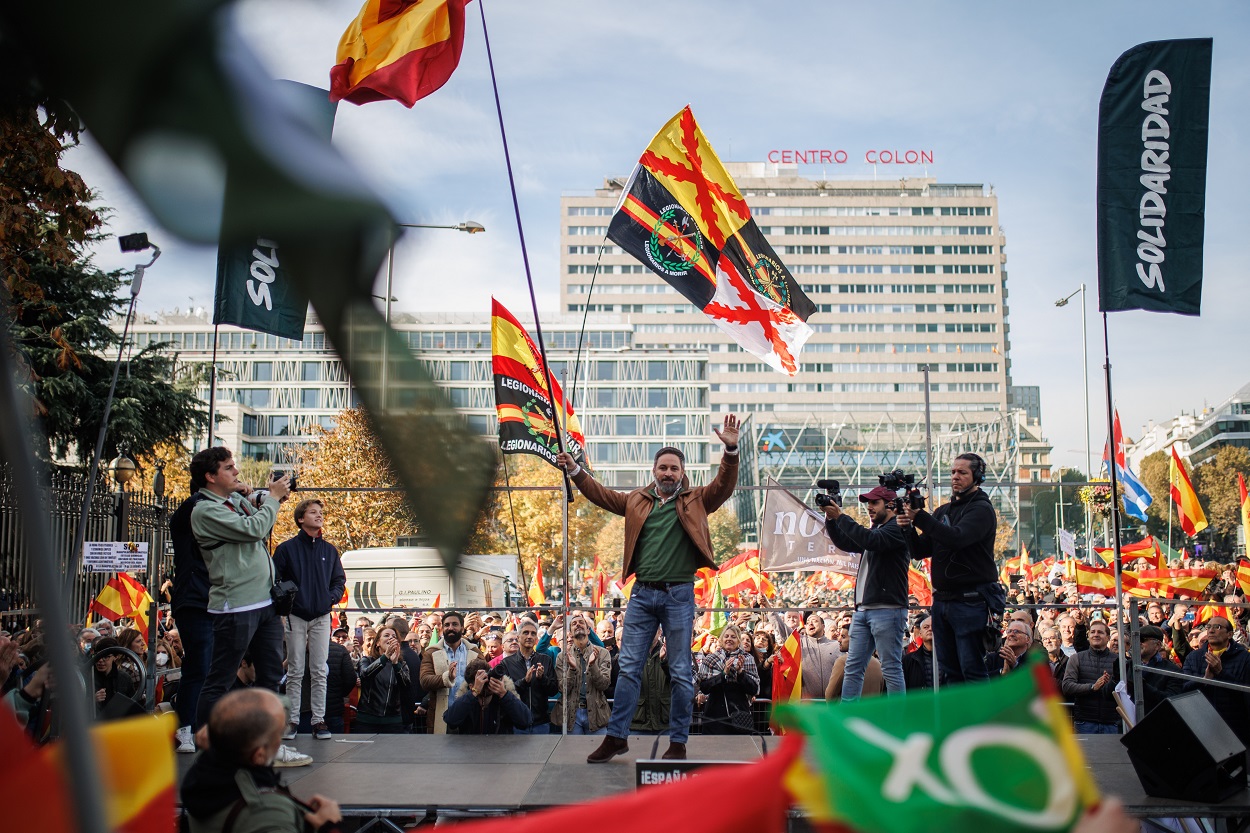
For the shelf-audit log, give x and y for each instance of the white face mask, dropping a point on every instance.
(162, 658)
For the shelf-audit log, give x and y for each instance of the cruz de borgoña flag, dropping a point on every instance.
(401, 50)
(521, 403)
(682, 216)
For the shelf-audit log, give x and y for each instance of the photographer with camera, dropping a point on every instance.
(313, 565)
(230, 534)
(880, 619)
(968, 601)
(486, 702)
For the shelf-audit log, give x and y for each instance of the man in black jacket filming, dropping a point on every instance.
(968, 601)
(880, 619)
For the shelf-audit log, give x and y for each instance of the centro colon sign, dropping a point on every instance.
(826, 156)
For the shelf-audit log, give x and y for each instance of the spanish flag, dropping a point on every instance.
(1188, 509)
(523, 406)
(123, 596)
(134, 757)
(1245, 508)
(788, 673)
(537, 594)
(401, 50)
(742, 572)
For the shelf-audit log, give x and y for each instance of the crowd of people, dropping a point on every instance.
(245, 628)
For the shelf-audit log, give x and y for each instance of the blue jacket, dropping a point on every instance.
(313, 564)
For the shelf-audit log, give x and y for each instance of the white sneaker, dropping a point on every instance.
(289, 756)
(186, 741)
(291, 731)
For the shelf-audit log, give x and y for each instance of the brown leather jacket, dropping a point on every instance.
(693, 507)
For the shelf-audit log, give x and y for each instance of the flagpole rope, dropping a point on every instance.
(529, 278)
(516, 536)
(581, 334)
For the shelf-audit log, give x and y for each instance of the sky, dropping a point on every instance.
(1004, 94)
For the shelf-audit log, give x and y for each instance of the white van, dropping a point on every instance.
(396, 578)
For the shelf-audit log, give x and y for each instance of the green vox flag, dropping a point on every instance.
(992, 757)
(177, 100)
(1152, 177)
(254, 285)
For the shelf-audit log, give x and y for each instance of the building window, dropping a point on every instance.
(657, 371)
(657, 398)
(606, 371)
(251, 424)
(459, 371)
(262, 371)
(311, 372)
(279, 426)
(310, 398)
(605, 398)
(459, 397)
(626, 425)
(479, 424)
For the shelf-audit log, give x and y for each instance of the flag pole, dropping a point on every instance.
(212, 389)
(1115, 499)
(529, 278)
(516, 536)
(1170, 501)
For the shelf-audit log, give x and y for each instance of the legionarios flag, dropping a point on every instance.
(1188, 509)
(401, 50)
(526, 424)
(993, 757)
(1152, 177)
(683, 217)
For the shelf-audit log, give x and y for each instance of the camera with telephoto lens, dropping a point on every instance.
(898, 481)
(832, 495)
(277, 474)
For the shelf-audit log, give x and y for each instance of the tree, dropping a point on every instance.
(60, 305)
(1216, 484)
(1004, 541)
(726, 533)
(1154, 476)
(350, 456)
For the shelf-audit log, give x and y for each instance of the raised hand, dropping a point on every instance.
(729, 433)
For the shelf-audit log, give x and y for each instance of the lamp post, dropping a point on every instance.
(468, 226)
(1089, 459)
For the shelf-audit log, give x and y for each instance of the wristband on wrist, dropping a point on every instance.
(731, 449)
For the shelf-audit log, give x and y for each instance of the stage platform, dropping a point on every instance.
(411, 775)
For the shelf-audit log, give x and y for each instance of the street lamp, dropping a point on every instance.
(1089, 460)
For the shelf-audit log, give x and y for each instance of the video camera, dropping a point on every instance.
(897, 481)
(832, 495)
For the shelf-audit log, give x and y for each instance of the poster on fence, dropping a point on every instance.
(793, 537)
(1067, 543)
(115, 556)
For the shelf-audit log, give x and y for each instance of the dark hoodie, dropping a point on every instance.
(209, 785)
(960, 537)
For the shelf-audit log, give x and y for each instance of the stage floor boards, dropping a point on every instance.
(368, 774)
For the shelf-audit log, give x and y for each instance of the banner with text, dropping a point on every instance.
(1152, 177)
(793, 537)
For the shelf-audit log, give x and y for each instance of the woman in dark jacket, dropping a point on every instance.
(729, 678)
(109, 679)
(384, 680)
(764, 651)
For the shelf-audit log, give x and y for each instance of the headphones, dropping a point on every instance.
(978, 466)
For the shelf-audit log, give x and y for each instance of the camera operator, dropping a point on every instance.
(880, 619)
(968, 601)
(486, 703)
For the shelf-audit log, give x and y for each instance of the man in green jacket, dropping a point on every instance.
(231, 533)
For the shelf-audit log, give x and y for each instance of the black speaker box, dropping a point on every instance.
(1184, 749)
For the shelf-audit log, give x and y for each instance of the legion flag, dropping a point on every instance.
(526, 417)
(994, 757)
(683, 217)
(1152, 177)
(401, 50)
(1188, 509)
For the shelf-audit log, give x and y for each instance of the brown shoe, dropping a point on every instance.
(676, 752)
(609, 749)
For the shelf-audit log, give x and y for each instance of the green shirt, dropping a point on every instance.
(665, 552)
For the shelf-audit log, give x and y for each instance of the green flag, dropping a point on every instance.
(1152, 177)
(176, 99)
(991, 757)
(719, 620)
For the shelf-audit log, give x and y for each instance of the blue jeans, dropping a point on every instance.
(544, 729)
(195, 628)
(581, 725)
(648, 610)
(1089, 727)
(883, 629)
(959, 639)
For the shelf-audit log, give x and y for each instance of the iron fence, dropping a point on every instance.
(112, 516)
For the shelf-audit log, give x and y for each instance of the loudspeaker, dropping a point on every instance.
(1184, 749)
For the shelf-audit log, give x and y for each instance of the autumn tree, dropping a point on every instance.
(349, 456)
(1153, 474)
(1216, 484)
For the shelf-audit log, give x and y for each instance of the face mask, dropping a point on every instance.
(162, 658)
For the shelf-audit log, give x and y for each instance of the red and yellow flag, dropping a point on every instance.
(1205, 612)
(918, 585)
(134, 757)
(1243, 576)
(788, 672)
(401, 50)
(742, 572)
(1184, 584)
(123, 596)
(1188, 509)
(1245, 509)
(1146, 548)
(537, 594)
(1015, 566)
